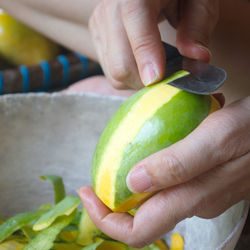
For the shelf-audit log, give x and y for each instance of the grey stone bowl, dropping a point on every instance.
(56, 134)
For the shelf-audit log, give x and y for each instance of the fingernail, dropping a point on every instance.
(81, 194)
(206, 52)
(205, 48)
(138, 180)
(149, 74)
(79, 191)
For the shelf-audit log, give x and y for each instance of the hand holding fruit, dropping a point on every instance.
(128, 42)
(204, 174)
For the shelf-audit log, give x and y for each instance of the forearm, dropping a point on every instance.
(73, 10)
(73, 35)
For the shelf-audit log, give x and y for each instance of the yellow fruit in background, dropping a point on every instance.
(20, 44)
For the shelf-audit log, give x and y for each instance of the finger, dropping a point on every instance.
(141, 23)
(226, 185)
(211, 144)
(120, 59)
(128, 229)
(197, 21)
(207, 196)
(171, 13)
(97, 35)
(116, 225)
(97, 26)
(156, 216)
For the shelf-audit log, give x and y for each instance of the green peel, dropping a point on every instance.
(64, 207)
(45, 239)
(59, 189)
(17, 222)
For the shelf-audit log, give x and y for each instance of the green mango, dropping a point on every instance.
(152, 119)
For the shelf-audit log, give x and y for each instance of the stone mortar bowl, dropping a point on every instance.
(56, 134)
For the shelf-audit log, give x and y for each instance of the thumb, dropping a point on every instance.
(209, 145)
(198, 19)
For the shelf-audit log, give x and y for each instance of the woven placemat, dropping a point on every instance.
(48, 76)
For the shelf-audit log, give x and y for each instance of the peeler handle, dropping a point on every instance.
(171, 51)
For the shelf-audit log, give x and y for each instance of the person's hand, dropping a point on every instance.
(128, 42)
(204, 174)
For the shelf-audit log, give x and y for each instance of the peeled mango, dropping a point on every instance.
(20, 45)
(149, 121)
